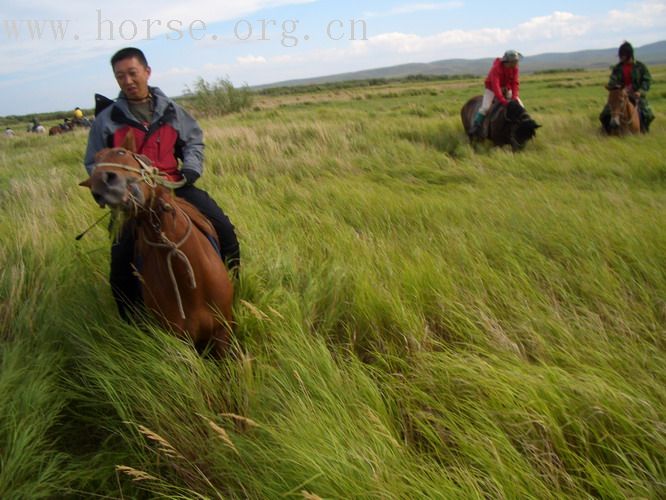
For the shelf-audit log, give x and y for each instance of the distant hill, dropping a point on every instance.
(654, 53)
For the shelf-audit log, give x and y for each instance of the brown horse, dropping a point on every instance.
(624, 117)
(510, 125)
(61, 129)
(185, 282)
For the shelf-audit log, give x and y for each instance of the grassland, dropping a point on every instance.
(416, 319)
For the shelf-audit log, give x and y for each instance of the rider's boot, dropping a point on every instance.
(475, 129)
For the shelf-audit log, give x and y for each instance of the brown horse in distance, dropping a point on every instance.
(185, 282)
(510, 125)
(63, 128)
(625, 118)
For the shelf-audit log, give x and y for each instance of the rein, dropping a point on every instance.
(174, 250)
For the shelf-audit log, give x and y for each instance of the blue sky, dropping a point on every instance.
(263, 41)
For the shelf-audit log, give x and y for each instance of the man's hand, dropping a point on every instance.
(190, 176)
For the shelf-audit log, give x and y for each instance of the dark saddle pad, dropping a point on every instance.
(491, 116)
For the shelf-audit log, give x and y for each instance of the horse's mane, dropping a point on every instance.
(514, 111)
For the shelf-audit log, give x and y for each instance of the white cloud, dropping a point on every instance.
(648, 14)
(176, 71)
(409, 43)
(412, 8)
(211, 67)
(556, 31)
(556, 25)
(250, 59)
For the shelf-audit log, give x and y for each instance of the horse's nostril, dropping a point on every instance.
(110, 177)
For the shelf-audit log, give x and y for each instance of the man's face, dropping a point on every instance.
(624, 58)
(132, 78)
(512, 64)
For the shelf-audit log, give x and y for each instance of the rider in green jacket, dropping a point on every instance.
(634, 76)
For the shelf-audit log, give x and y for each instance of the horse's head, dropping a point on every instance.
(524, 131)
(118, 178)
(617, 103)
(523, 127)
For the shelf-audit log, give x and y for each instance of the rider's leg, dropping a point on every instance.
(125, 285)
(646, 114)
(229, 247)
(488, 97)
(605, 118)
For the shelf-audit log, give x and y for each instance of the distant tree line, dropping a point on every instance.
(555, 71)
(347, 84)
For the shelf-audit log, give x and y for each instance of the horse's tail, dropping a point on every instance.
(469, 110)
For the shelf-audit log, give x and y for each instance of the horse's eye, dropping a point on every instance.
(121, 153)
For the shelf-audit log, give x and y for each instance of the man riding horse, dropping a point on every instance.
(79, 119)
(502, 85)
(165, 133)
(635, 78)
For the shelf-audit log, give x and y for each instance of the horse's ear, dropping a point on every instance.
(129, 143)
(145, 159)
(86, 184)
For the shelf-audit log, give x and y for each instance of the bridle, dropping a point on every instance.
(150, 174)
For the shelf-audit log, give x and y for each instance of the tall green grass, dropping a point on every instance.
(216, 98)
(416, 318)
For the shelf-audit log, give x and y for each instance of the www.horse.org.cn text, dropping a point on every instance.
(287, 32)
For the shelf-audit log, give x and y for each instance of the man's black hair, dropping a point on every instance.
(626, 50)
(128, 53)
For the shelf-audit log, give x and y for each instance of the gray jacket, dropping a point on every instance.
(171, 136)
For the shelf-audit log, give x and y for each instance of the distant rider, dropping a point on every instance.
(635, 78)
(502, 85)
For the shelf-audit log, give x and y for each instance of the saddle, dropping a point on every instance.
(200, 222)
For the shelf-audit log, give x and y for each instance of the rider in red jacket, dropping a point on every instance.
(502, 85)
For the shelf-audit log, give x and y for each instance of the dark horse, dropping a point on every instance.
(185, 282)
(503, 125)
(624, 117)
